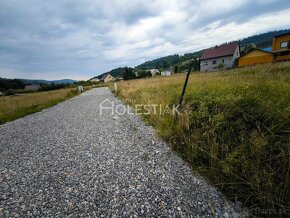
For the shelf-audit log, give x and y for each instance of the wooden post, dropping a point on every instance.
(116, 87)
(184, 88)
(185, 85)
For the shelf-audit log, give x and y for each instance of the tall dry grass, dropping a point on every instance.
(235, 128)
(13, 107)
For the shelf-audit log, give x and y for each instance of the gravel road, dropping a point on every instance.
(69, 161)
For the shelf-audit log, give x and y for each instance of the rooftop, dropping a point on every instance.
(219, 51)
(268, 49)
(104, 76)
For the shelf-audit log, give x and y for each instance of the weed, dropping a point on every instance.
(145, 156)
(237, 131)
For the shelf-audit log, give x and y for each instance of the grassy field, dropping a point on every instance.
(13, 107)
(234, 129)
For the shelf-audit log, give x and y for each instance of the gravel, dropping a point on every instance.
(68, 160)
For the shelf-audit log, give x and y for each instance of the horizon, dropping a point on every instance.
(81, 40)
(107, 71)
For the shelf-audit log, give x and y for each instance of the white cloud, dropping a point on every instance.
(83, 38)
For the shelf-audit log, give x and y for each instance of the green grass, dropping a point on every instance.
(235, 131)
(13, 107)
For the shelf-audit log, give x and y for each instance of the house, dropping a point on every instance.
(268, 49)
(1, 94)
(256, 56)
(281, 47)
(166, 73)
(154, 72)
(280, 51)
(95, 79)
(32, 87)
(107, 78)
(136, 73)
(223, 56)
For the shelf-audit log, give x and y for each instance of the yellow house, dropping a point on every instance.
(281, 47)
(255, 56)
(280, 52)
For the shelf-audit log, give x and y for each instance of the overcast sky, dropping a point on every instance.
(79, 39)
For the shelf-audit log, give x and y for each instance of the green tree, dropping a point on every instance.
(128, 73)
(176, 69)
(143, 73)
(148, 73)
(6, 84)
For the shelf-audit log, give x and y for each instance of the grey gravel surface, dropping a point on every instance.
(69, 161)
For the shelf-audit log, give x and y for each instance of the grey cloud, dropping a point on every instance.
(82, 38)
(245, 13)
(136, 15)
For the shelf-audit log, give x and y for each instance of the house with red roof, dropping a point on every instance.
(220, 57)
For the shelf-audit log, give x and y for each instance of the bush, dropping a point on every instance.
(49, 87)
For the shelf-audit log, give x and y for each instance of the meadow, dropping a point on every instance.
(234, 129)
(13, 107)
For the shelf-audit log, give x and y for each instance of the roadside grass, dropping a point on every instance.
(234, 129)
(13, 107)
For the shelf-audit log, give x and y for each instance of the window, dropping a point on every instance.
(284, 45)
(205, 63)
(213, 62)
(223, 60)
(284, 53)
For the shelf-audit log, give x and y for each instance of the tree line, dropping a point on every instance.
(6, 84)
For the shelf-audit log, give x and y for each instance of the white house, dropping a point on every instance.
(154, 72)
(95, 79)
(166, 73)
(223, 56)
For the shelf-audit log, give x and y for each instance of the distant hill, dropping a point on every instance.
(260, 41)
(168, 61)
(263, 40)
(62, 81)
(117, 73)
(7, 84)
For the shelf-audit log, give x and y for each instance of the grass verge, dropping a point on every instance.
(234, 129)
(13, 107)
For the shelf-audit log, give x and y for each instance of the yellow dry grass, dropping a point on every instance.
(13, 107)
(236, 132)
(222, 79)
